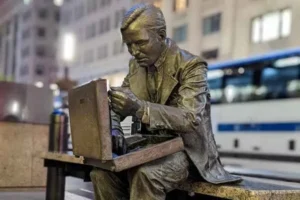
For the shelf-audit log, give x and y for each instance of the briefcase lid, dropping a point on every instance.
(90, 120)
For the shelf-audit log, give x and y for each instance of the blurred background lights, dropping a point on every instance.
(286, 62)
(58, 2)
(241, 70)
(27, 1)
(68, 47)
(39, 84)
(53, 86)
(15, 107)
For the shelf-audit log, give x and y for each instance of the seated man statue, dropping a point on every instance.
(166, 89)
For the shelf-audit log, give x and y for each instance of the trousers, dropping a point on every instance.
(150, 181)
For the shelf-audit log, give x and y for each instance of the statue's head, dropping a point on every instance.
(144, 31)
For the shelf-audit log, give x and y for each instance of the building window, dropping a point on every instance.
(211, 24)
(26, 15)
(57, 16)
(104, 3)
(292, 145)
(210, 54)
(180, 6)
(41, 32)
(66, 16)
(39, 69)
(180, 33)
(8, 28)
(236, 143)
(271, 26)
(90, 31)
(88, 56)
(26, 34)
(104, 25)
(91, 6)
(118, 47)
(24, 70)
(119, 14)
(55, 34)
(25, 52)
(102, 52)
(51, 52)
(79, 11)
(41, 51)
(80, 34)
(43, 13)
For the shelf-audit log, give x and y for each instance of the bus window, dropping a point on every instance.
(281, 82)
(239, 87)
(215, 79)
(293, 88)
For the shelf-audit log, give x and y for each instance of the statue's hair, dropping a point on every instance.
(152, 16)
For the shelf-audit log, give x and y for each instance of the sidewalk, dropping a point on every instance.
(76, 189)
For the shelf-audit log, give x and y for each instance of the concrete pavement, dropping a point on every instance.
(76, 189)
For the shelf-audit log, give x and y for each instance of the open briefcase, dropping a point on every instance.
(91, 131)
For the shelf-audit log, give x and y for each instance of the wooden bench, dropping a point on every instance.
(246, 190)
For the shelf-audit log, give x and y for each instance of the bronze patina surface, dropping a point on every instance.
(246, 190)
(91, 132)
(166, 90)
(90, 122)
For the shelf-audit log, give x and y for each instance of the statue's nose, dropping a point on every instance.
(135, 51)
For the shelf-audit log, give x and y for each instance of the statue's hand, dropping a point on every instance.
(118, 142)
(124, 102)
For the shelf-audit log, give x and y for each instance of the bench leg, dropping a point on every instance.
(55, 184)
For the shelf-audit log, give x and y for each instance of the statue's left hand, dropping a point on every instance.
(124, 102)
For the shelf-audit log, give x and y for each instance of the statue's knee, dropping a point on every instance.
(148, 173)
(142, 172)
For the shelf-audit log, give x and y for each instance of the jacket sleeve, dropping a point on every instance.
(187, 115)
(116, 119)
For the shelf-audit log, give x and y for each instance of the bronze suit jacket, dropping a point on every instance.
(183, 108)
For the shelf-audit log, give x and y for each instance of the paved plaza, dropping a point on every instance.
(76, 189)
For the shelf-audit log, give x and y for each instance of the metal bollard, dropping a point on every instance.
(58, 142)
(58, 133)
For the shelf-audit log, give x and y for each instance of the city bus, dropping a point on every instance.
(256, 110)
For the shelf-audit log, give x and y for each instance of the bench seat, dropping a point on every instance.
(246, 190)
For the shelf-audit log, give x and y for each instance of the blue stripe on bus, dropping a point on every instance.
(259, 127)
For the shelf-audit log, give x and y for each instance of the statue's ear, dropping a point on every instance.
(162, 34)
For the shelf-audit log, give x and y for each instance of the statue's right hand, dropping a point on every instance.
(118, 142)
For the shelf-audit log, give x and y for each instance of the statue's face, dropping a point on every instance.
(145, 45)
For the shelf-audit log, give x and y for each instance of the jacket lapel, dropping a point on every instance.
(166, 77)
(168, 83)
(138, 84)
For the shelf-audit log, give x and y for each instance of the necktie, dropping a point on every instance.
(151, 83)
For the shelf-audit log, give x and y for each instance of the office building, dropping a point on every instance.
(94, 36)
(216, 30)
(28, 39)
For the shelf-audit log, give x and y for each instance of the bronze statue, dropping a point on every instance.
(166, 89)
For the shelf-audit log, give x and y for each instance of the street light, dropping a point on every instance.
(68, 47)
(68, 54)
